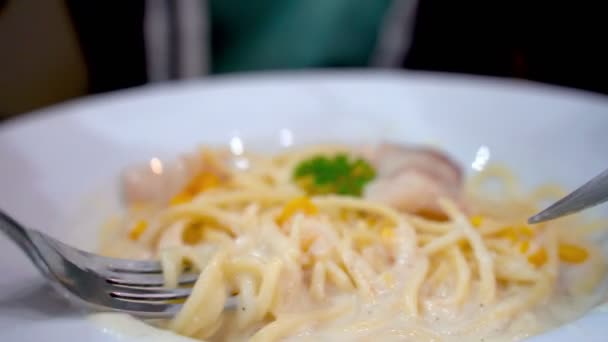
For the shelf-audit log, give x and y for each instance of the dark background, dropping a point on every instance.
(553, 42)
(562, 44)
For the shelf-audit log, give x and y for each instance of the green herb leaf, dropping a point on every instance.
(333, 175)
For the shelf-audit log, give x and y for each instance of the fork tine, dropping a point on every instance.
(588, 195)
(144, 309)
(135, 273)
(152, 309)
(143, 294)
(111, 264)
(148, 280)
(132, 266)
(125, 265)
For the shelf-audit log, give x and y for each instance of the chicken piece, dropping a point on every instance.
(154, 185)
(157, 182)
(412, 179)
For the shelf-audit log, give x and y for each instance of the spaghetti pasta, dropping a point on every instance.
(341, 267)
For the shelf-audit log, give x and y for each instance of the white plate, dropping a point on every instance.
(53, 161)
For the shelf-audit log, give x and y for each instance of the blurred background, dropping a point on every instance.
(55, 50)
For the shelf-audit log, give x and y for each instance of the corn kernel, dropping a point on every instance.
(300, 204)
(192, 234)
(573, 254)
(343, 215)
(138, 229)
(525, 231)
(180, 198)
(524, 246)
(387, 233)
(371, 221)
(476, 221)
(509, 233)
(538, 258)
(207, 180)
(202, 182)
(464, 245)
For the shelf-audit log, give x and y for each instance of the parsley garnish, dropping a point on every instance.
(321, 175)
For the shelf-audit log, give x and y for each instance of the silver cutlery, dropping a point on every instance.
(102, 283)
(590, 194)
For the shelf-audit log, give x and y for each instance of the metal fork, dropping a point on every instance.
(590, 194)
(104, 284)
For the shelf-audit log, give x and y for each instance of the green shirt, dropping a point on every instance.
(289, 34)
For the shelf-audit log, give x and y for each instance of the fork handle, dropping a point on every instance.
(18, 234)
